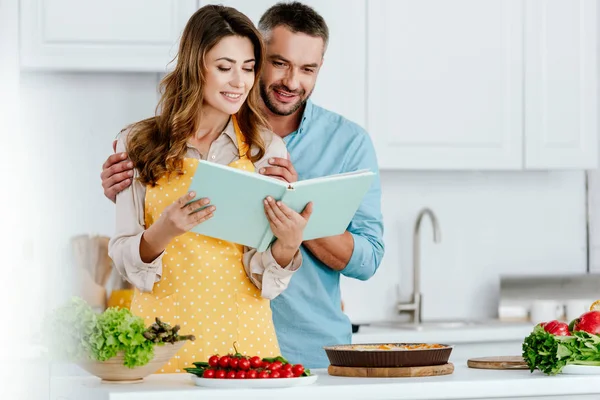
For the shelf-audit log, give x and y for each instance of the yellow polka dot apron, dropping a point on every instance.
(204, 287)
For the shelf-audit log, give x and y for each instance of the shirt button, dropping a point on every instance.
(213, 157)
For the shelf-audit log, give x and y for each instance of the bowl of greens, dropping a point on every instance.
(114, 345)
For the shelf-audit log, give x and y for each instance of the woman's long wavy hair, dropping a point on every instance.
(158, 145)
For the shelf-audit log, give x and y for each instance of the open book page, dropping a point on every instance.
(238, 197)
(335, 201)
(331, 177)
(252, 175)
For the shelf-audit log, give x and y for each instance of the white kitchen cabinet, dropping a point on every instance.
(109, 35)
(445, 83)
(561, 69)
(341, 84)
(494, 85)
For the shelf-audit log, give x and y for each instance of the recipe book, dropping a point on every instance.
(240, 215)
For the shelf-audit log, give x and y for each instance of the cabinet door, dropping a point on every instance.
(561, 84)
(109, 35)
(341, 83)
(593, 218)
(445, 83)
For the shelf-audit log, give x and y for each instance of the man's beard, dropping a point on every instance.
(273, 107)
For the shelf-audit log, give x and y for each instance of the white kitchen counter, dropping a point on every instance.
(485, 333)
(464, 383)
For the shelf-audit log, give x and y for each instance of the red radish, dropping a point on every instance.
(589, 322)
(557, 328)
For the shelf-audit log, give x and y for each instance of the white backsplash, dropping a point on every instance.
(491, 223)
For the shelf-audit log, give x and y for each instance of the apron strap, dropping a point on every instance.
(241, 139)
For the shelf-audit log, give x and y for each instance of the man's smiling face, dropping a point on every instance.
(291, 70)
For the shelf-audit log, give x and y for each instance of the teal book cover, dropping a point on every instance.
(238, 197)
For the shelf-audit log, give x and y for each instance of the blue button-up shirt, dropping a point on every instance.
(308, 315)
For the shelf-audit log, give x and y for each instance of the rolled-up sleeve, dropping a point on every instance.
(124, 246)
(366, 226)
(268, 276)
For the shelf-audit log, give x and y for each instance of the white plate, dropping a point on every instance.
(581, 370)
(254, 383)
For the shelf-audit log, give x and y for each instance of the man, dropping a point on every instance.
(308, 314)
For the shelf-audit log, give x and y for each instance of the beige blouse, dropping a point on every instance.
(124, 246)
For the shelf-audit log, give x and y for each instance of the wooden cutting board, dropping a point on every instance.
(501, 362)
(400, 372)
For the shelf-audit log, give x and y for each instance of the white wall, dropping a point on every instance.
(15, 214)
(491, 223)
(75, 118)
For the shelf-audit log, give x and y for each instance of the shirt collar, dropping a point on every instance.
(229, 131)
(306, 116)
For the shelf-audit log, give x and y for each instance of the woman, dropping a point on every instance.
(209, 109)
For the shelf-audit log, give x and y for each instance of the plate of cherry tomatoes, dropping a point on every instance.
(239, 371)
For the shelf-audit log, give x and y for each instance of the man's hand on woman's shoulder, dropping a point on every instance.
(281, 168)
(117, 174)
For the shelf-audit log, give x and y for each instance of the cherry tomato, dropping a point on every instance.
(230, 375)
(287, 367)
(220, 374)
(263, 374)
(276, 365)
(266, 365)
(213, 361)
(255, 362)
(297, 369)
(233, 363)
(240, 375)
(208, 373)
(244, 364)
(286, 374)
(252, 374)
(224, 362)
(275, 374)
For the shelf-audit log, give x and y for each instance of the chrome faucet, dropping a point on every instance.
(414, 307)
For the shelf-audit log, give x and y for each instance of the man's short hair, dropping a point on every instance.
(297, 17)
